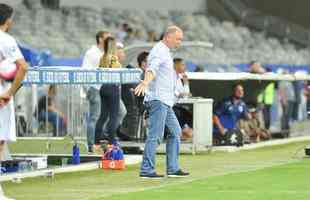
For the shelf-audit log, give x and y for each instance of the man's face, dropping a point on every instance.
(253, 115)
(239, 92)
(180, 67)
(143, 64)
(175, 39)
(9, 24)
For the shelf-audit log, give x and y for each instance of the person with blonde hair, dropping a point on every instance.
(110, 58)
(110, 97)
(91, 61)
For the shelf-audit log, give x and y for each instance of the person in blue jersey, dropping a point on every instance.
(228, 112)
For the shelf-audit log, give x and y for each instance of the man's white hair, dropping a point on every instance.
(172, 29)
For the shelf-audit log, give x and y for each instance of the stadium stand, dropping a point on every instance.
(233, 44)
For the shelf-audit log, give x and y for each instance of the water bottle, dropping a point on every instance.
(76, 155)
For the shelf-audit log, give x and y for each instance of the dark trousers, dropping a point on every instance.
(110, 103)
(267, 115)
(287, 115)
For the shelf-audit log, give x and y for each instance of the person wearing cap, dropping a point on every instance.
(252, 129)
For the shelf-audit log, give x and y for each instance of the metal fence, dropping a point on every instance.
(53, 102)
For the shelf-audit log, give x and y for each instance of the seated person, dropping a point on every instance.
(252, 129)
(256, 68)
(228, 113)
(182, 87)
(48, 112)
(184, 116)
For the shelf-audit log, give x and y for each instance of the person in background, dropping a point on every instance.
(110, 96)
(183, 82)
(228, 112)
(200, 68)
(287, 98)
(183, 91)
(122, 34)
(307, 94)
(151, 36)
(9, 51)
(266, 99)
(47, 111)
(130, 37)
(91, 61)
(252, 130)
(142, 62)
(256, 68)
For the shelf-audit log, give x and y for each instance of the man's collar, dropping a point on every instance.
(233, 99)
(164, 45)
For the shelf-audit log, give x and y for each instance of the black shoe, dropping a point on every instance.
(152, 176)
(178, 174)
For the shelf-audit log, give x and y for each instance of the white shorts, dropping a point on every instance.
(7, 117)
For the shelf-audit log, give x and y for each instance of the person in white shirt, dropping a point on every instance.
(9, 53)
(159, 86)
(182, 91)
(91, 61)
(182, 85)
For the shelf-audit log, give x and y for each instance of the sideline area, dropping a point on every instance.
(98, 184)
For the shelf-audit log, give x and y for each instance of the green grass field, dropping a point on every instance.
(286, 182)
(268, 173)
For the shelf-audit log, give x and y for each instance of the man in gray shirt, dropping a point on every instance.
(159, 86)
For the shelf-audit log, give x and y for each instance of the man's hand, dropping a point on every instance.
(141, 88)
(4, 99)
(183, 95)
(184, 77)
(222, 131)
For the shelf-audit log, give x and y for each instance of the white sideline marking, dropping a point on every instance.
(40, 138)
(129, 160)
(261, 144)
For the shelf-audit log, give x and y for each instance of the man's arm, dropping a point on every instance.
(219, 110)
(141, 88)
(21, 71)
(246, 113)
(150, 74)
(219, 125)
(20, 75)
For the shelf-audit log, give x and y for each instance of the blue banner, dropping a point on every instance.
(65, 75)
